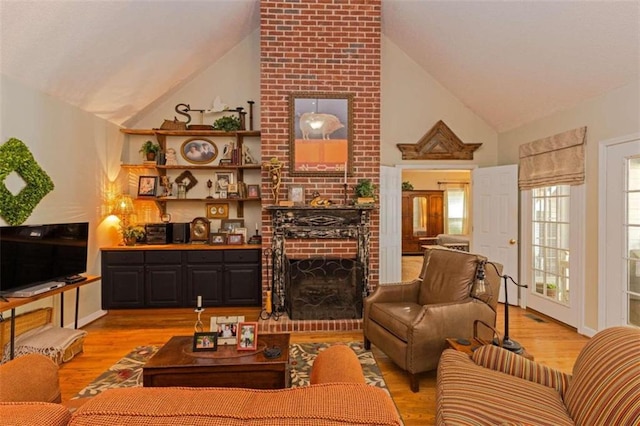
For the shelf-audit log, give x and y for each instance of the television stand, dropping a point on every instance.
(13, 303)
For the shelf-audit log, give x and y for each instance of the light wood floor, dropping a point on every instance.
(113, 336)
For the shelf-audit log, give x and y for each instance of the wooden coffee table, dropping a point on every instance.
(175, 364)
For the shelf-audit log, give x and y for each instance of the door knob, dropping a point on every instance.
(512, 241)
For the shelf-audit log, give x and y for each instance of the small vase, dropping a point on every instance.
(130, 241)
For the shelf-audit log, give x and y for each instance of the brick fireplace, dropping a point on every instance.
(328, 46)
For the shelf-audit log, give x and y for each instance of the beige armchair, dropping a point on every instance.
(410, 321)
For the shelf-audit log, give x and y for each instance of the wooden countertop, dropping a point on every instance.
(138, 247)
(14, 302)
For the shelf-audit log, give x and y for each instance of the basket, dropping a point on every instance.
(174, 124)
(24, 323)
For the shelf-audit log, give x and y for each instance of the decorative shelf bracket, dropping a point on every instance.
(439, 143)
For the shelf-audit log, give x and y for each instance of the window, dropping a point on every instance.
(632, 225)
(456, 209)
(550, 241)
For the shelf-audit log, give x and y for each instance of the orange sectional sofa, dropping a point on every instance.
(337, 396)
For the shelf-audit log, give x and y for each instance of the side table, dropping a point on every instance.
(459, 345)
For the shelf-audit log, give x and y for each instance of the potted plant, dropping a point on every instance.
(365, 191)
(150, 150)
(132, 234)
(406, 186)
(552, 290)
(227, 123)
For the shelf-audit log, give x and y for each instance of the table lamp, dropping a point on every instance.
(480, 291)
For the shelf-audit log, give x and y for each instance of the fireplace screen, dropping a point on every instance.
(323, 289)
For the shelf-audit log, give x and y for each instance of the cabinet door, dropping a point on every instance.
(163, 286)
(436, 215)
(122, 286)
(205, 281)
(242, 284)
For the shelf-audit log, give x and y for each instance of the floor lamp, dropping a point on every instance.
(481, 289)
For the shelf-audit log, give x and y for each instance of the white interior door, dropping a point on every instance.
(619, 273)
(495, 219)
(390, 224)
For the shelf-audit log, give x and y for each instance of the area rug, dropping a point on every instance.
(128, 371)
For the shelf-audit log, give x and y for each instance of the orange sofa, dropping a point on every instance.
(337, 395)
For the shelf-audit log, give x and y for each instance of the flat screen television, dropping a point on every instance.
(34, 254)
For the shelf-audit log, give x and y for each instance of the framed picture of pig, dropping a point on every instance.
(321, 134)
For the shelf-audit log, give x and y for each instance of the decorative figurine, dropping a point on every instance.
(319, 201)
(274, 166)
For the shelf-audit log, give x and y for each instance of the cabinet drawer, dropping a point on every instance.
(122, 257)
(204, 256)
(244, 256)
(161, 256)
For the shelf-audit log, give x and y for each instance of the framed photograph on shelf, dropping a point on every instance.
(205, 342)
(226, 329)
(217, 210)
(217, 238)
(248, 336)
(296, 194)
(231, 224)
(223, 179)
(241, 231)
(147, 186)
(235, 239)
(199, 151)
(320, 134)
(253, 191)
(232, 190)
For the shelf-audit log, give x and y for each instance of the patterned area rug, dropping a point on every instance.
(128, 371)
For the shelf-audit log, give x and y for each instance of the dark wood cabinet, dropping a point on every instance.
(163, 279)
(422, 219)
(175, 278)
(125, 273)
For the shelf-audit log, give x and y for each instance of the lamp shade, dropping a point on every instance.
(123, 206)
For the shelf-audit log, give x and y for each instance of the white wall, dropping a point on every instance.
(614, 114)
(73, 148)
(235, 78)
(412, 102)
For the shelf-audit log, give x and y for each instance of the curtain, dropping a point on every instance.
(555, 160)
(456, 207)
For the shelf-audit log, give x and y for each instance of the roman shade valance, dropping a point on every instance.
(555, 160)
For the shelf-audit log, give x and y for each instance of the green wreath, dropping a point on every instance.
(16, 157)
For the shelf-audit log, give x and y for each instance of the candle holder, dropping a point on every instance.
(345, 193)
(198, 327)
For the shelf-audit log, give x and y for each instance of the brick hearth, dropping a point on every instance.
(286, 325)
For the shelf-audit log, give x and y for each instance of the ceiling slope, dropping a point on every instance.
(510, 62)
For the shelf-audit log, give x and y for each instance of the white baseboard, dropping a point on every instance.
(88, 319)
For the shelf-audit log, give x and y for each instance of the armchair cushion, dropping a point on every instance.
(499, 359)
(472, 397)
(447, 276)
(396, 318)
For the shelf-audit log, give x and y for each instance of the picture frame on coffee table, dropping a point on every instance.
(203, 342)
(247, 336)
(226, 329)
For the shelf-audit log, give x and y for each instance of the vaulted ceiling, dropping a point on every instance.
(510, 62)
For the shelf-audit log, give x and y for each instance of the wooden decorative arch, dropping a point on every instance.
(439, 143)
